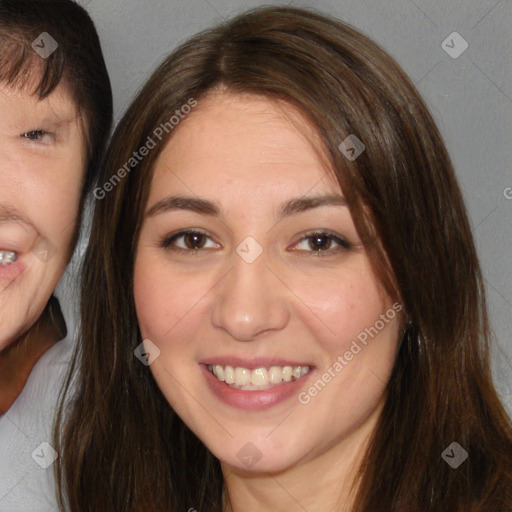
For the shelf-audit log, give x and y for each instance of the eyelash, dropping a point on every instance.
(344, 245)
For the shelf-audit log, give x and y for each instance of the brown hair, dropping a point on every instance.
(124, 449)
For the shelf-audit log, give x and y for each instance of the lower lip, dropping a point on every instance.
(8, 273)
(253, 400)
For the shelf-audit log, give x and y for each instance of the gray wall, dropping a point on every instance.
(470, 97)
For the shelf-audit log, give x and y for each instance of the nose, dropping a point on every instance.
(250, 301)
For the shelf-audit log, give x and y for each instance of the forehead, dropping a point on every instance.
(249, 140)
(16, 102)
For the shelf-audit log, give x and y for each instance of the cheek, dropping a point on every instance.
(163, 299)
(341, 304)
(66, 194)
(53, 201)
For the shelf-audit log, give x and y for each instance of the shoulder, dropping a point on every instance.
(26, 451)
(26, 429)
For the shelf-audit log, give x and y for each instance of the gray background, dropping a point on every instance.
(469, 96)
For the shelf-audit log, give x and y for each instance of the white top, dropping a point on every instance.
(27, 482)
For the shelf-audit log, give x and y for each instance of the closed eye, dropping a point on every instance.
(35, 135)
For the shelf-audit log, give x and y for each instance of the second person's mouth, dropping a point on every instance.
(257, 379)
(7, 257)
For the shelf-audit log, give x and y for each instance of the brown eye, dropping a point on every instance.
(188, 241)
(194, 240)
(322, 243)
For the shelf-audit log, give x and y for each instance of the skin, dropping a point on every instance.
(250, 155)
(40, 187)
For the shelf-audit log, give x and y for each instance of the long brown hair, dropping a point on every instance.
(124, 449)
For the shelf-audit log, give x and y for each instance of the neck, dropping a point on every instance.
(320, 484)
(20, 357)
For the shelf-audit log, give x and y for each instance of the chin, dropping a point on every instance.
(250, 462)
(257, 453)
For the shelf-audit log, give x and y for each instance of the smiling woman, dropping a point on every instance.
(300, 234)
(55, 114)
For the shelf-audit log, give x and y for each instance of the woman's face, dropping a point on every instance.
(249, 265)
(41, 173)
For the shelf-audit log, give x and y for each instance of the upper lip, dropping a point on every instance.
(7, 248)
(17, 240)
(252, 363)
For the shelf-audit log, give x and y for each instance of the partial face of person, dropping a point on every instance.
(41, 174)
(275, 339)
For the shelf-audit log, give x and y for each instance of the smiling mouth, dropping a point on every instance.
(7, 257)
(257, 379)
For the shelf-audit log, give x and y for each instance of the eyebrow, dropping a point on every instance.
(211, 208)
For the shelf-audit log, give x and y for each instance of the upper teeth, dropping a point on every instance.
(259, 378)
(7, 257)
